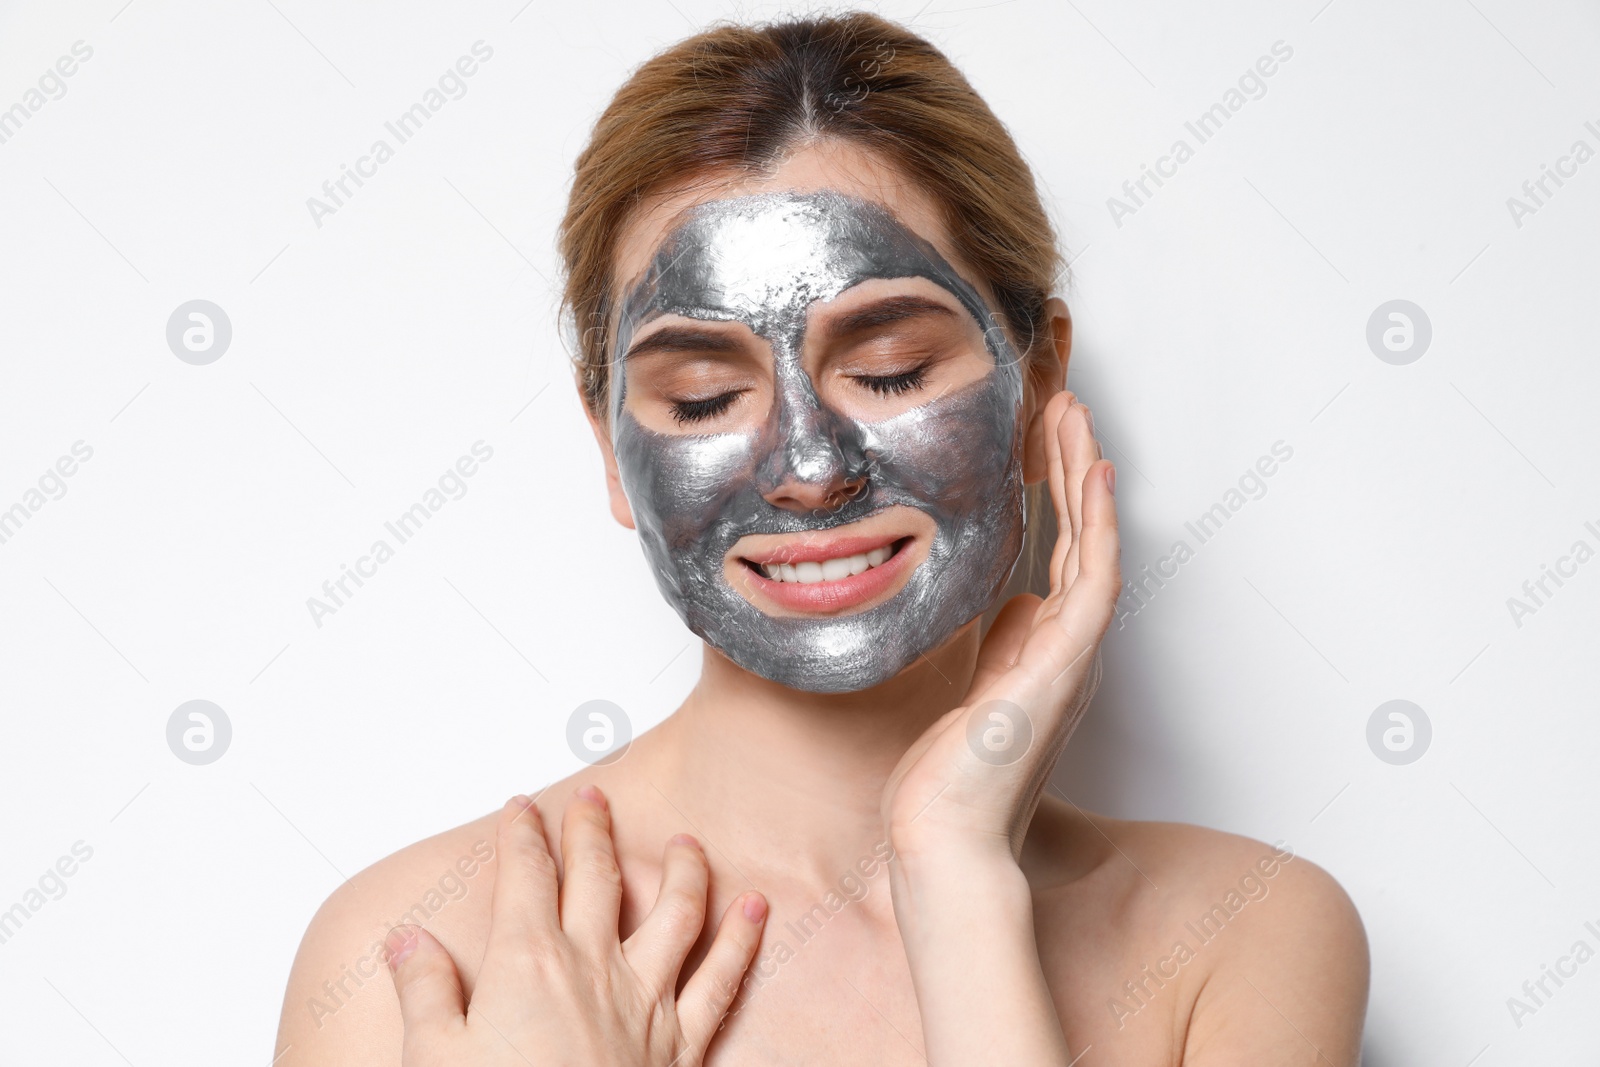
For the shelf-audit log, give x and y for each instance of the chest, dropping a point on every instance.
(837, 995)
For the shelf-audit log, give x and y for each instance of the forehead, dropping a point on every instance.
(826, 165)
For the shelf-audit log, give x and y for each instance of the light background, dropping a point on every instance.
(1227, 313)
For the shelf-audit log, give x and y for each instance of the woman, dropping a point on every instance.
(824, 370)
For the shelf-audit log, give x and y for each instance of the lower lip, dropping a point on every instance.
(827, 598)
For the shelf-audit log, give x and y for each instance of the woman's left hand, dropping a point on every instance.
(971, 783)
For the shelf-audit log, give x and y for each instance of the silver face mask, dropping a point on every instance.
(763, 261)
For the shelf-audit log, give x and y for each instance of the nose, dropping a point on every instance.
(819, 463)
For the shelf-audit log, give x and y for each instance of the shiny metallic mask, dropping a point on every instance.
(762, 261)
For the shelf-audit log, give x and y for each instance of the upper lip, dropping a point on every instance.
(817, 546)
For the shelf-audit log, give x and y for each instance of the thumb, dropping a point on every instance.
(1004, 641)
(425, 980)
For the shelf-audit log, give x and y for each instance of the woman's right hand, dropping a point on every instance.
(558, 986)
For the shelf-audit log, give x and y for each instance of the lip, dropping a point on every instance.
(822, 545)
(909, 535)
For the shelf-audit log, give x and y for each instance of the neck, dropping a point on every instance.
(807, 769)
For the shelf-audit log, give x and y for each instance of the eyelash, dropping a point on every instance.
(689, 411)
(896, 384)
(686, 411)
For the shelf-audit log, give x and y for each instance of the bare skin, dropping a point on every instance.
(1010, 925)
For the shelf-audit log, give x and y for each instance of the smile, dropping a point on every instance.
(832, 572)
(811, 572)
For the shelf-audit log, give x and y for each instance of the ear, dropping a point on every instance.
(1047, 376)
(619, 501)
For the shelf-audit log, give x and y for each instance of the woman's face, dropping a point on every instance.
(815, 421)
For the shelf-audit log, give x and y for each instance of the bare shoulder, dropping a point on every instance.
(340, 1005)
(1218, 947)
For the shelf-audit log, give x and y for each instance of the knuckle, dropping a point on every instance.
(682, 911)
(601, 868)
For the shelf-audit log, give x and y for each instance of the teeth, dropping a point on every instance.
(829, 570)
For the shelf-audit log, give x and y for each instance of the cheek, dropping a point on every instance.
(678, 485)
(957, 453)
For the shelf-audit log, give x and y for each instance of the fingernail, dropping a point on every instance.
(755, 907)
(593, 796)
(522, 801)
(1088, 413)
(401, 943)
(684, 839)
(1111, 480)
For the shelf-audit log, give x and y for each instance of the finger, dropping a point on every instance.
(1099, 553)
(426, 982)
(1003, 643)
(714, 984)
(523, 909)
(1060, 648)
(657, 949)
(1080, 453)
(591, 884)
(1055, 466)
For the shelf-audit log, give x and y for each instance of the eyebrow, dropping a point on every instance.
(879, 313)
(885, 312)
(684, 339)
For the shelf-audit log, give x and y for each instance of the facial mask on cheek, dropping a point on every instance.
(763, 260)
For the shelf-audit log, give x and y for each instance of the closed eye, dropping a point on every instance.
(896, 384)
(687, 411)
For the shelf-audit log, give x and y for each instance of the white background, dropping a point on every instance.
(1229, 312)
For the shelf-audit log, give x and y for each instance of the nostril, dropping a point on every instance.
(839, 497)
